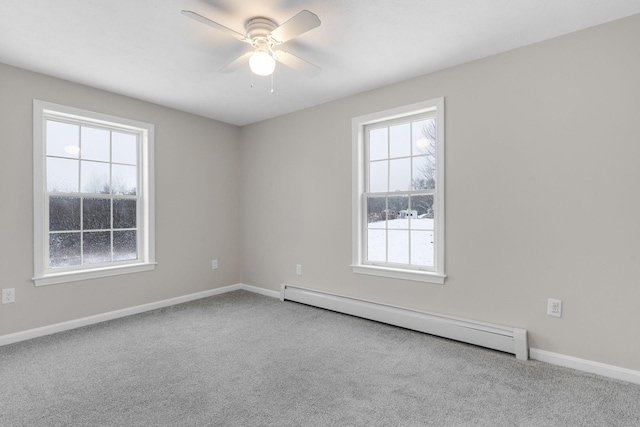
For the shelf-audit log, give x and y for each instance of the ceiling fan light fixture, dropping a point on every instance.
(263, 35)
(261, 63)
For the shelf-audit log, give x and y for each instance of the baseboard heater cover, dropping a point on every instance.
(497, 337)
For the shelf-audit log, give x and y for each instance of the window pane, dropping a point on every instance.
(400, 144)
(423, 205)
(96, 214)
(124, 213)
(376, 245)
(378, 147)
(398, 251)
(64, 249)
(62, 175)
(398, 206)
(376, 212)
(422, 248)
(400, 174)
(424, 173)
(94, 177)
(399, 246)
(124, 245)
(96, 247)
(124, 179)
(95, 144)
(422, 242)
(124, 148)
(64, 213)
(424, 137)
(62, 139)
(378, 176)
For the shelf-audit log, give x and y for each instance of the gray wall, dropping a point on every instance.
(542, 174)
(197, 176)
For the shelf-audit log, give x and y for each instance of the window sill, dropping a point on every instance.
(396, 273)
(55, 278)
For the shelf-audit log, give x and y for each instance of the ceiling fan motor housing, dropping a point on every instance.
(260, 28)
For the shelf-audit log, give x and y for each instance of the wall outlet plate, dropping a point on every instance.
(214, 264)
(8, 295)
(554, 307)
(298, 269)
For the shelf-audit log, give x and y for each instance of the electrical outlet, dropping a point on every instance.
(554, 307)
(8, 295)
(214, 264)
(298, 269)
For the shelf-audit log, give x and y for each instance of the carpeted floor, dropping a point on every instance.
(242, 359)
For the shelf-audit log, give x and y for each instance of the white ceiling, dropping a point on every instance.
(148, 50)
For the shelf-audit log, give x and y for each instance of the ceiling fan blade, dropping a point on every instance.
(300, 23)
(236, 63)
(215, 25)
(297, 63)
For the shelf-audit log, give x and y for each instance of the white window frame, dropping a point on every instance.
(43, 275)
(437, 275)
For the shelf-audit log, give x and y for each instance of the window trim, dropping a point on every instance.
(358, 188)
(43, 110)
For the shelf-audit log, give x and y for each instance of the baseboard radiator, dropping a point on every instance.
(497, 337)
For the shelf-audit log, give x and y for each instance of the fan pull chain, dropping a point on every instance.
(251, 81)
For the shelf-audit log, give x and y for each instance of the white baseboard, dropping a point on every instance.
(103, 317)
(584, 365)
(261, 291)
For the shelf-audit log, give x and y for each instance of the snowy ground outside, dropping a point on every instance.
(399, 232)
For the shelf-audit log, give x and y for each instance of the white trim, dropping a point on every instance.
(258, 290)
(103, 317)
(358, 185)
(95, 273)
(609, 371)
(415, 275)
(497, 337)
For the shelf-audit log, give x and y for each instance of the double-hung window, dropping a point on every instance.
(93, 194)
(398, 182)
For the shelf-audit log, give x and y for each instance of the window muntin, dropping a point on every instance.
(399, 193)
(93, 197)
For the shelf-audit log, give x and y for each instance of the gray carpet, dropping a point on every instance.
(242, 359)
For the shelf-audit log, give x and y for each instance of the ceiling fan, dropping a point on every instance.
(264, 37)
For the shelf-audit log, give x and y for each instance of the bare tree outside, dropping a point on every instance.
(426, 179)
(427, 145)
